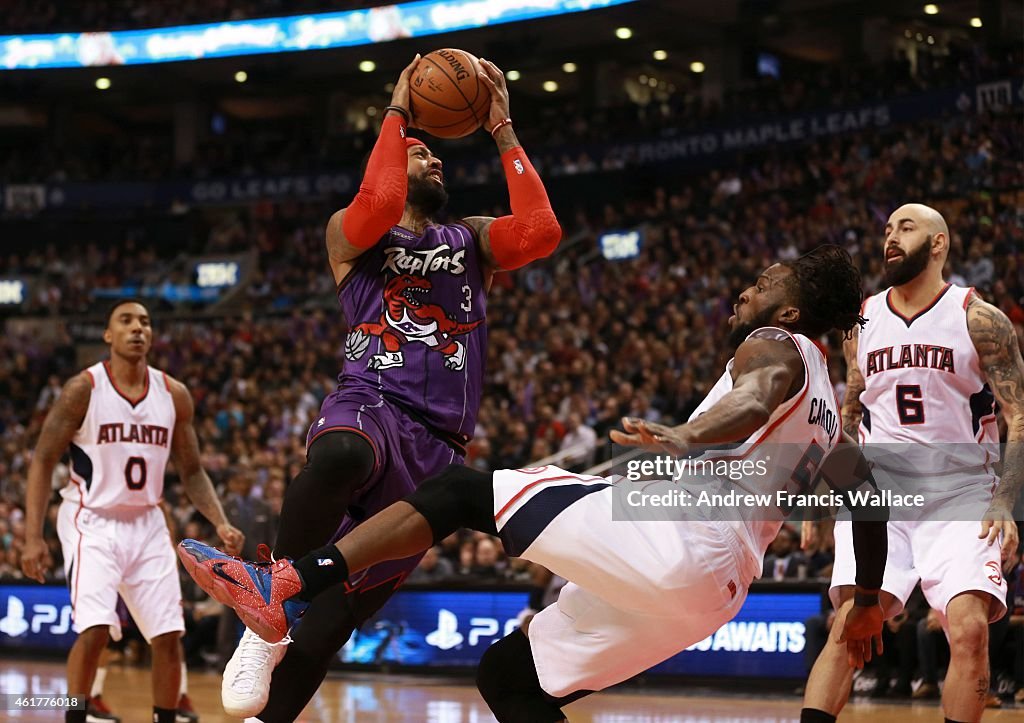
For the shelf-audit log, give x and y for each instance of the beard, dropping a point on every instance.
(899, 273)
(743, 328)
(426, 196)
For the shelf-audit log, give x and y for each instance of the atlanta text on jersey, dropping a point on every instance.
(142, 433)
(910, 355)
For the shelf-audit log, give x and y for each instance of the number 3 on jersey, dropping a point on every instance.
(909, 404)
(135, 473)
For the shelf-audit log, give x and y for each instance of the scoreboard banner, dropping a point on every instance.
(275, 35)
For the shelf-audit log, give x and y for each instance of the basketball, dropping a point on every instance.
(448, 99)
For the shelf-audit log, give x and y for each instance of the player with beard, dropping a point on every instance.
(641, 588)
(413, 293)
(923, 375)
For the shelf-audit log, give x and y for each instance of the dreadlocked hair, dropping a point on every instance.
(828, 290)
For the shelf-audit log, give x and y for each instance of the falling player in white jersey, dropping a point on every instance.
(120, 419)
(641, 590)
(922, 376)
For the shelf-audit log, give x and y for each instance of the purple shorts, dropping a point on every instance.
(405, 452)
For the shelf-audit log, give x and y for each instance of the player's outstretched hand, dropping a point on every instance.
(999, 519)
(650, 435)
(400, 95)
(232, 538)
(494, 79)
(33, 559)
(861, 631)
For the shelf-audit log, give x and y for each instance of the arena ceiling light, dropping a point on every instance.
(103, 83)
(367, 66)
(513, 75)
(697, 66)
(931, 9)
(241, 76)
(569, 67)
(623, 33)
(975, 22)
(660, 55)
(550, 86)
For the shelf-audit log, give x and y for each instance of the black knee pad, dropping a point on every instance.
(507, 681)
(341, 453)
(457, 497)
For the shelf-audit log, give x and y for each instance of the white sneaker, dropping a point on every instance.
(246, 685)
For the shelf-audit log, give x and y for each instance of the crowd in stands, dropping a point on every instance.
(299, 144)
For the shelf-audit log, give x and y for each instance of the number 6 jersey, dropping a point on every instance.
(119, 453)
(925, 399)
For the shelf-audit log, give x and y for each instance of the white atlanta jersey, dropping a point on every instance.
(927, 408)
(119, 453)
(791, 444)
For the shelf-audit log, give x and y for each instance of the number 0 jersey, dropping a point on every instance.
(119, 453)
(927, 411)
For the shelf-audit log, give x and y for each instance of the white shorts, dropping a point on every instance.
(125, 551)
(639, 591)
(946, 557)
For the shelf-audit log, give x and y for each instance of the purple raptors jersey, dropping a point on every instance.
(416, 307)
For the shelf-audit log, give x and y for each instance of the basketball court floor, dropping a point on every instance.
(364, 698)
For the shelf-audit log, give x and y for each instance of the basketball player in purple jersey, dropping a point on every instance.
(413, 293)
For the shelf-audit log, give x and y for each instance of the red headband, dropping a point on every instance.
(410, 142)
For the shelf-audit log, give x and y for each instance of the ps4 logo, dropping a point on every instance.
(447, 635)
(14, 623)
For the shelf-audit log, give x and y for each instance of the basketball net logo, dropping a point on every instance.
(518, 165)
(401, 131)
(997, 573)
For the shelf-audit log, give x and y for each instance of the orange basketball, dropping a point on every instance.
(448, 99)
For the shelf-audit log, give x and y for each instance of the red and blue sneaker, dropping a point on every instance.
(262, 594)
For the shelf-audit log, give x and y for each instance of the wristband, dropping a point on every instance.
(501, 124)
(399, 109)
(865, 599)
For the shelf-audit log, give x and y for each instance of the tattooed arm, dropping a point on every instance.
(852, 409)
(198, 487)
(64, 419)
(1001, 363)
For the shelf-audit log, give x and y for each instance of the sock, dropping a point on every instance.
(74, 716)
(184, 680)
(97, 682)
(813, 715)
(319, 570)
(163, 715)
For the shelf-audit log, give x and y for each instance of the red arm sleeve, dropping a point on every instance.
(532, 231)
(381, 199)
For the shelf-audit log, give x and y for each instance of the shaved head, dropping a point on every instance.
(927, 216)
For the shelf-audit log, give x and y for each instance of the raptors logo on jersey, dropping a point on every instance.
(416, 308)
(410, 317)
(119, 453)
